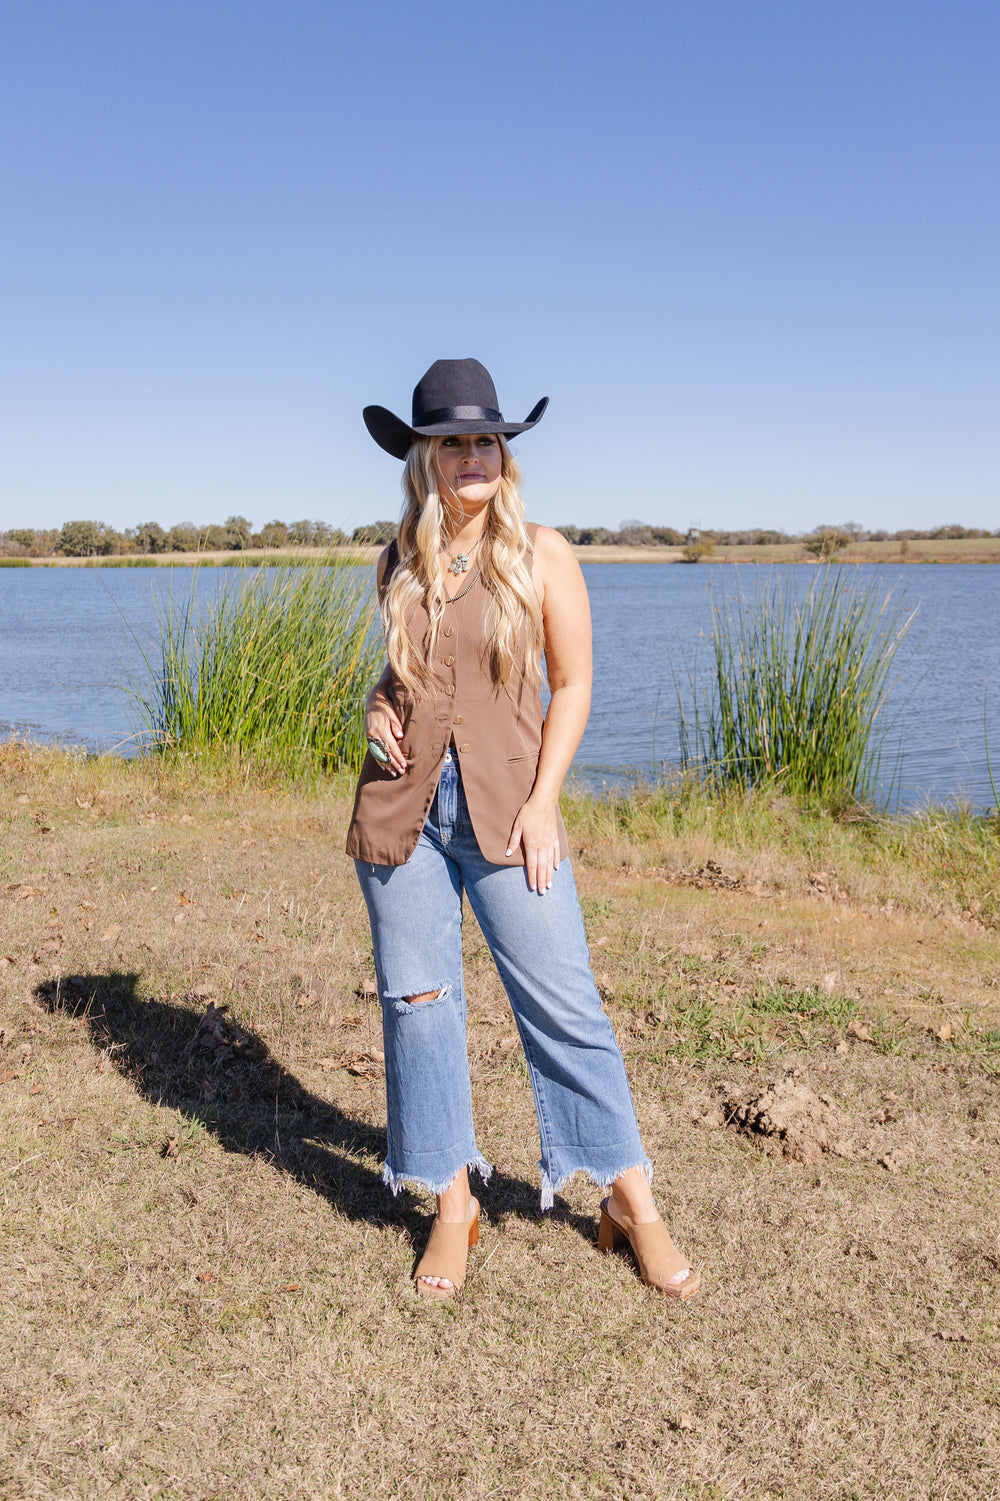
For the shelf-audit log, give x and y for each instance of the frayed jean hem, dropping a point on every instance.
(396, 1181)
(602, 1180)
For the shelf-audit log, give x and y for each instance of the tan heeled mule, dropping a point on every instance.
(446, 1255)
(659, 1259)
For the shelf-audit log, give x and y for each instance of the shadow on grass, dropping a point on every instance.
(184, 1056)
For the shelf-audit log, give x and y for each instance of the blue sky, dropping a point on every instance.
(748, 248)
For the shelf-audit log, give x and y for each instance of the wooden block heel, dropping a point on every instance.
(610, 1237)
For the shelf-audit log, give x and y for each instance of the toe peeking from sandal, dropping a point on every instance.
(446, 1255)
(660, 1263)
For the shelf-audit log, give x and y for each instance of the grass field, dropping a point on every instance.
(206, 1288)
(948, 550)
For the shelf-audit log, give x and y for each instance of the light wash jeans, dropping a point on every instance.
(586, 1119)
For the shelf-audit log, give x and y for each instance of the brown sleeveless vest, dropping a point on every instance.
(497, 735)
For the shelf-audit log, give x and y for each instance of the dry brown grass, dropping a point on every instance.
(206, 1288)
(946, 550)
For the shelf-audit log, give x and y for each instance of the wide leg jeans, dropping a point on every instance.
(586, 1119)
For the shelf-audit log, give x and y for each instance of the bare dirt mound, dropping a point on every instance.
(786, 1119)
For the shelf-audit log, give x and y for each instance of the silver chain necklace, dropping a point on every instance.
(462, 592)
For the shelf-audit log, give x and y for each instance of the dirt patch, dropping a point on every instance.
(786, 1118)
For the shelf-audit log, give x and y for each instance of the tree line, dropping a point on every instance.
(94, 539)
(91, 539)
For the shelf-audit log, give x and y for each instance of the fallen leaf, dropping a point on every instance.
(203, 991)
(6, 960)
(183, 900)
(830, 982)
(110, 934)
(685, 1423)
(859, 1030)
(204, 1277)
(953, 1336)
(509, 1043)
(362, 1065)
(170, 1148)
(943, 1033)
(291, 1287)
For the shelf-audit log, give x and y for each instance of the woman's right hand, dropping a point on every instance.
(383, 723)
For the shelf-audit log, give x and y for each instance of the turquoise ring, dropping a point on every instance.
(378, 749)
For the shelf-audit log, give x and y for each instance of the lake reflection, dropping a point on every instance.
(71, 638)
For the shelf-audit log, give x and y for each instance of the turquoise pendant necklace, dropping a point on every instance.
(460, 560)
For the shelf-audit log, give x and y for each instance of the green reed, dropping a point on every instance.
(275, 666)
(798, 688)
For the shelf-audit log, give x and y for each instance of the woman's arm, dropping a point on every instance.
(568, 659)
(381, 720)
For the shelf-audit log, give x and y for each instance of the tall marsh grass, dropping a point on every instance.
(798, 688)
(276, 666)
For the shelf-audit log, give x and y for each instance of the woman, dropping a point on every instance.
(460, 793)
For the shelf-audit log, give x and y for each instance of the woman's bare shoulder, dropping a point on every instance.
(383, 560)
(553, 553)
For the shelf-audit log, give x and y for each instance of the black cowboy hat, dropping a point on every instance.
(455, 396)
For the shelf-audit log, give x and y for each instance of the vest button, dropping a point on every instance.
(457, 719)
(449, 661)
(449, 630)
(450, 689)
(463, 748)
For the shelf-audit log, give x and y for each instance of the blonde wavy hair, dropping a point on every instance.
(514, 624)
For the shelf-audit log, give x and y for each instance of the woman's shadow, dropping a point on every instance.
(191, 1057)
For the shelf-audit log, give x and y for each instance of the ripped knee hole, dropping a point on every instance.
(427, 995)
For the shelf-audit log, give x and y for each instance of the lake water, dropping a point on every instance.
(70, 638)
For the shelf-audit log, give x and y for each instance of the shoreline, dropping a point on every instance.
(978, 551)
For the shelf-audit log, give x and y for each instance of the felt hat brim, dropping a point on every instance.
(396, 436)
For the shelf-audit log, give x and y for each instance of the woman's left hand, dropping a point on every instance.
(536, 827)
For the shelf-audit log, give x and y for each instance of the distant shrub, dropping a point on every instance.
(826, 543)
